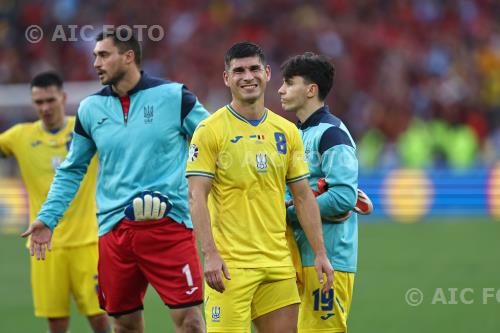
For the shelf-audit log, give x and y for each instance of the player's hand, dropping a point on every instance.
(214, 267)
(148, 205)
(40, 238)
(323, 266)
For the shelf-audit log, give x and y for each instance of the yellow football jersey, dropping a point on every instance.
(39, 153)
(250, 166)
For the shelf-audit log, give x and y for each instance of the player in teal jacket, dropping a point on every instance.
(139, 127)
(331, 154)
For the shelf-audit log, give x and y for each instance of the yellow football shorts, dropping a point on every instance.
(320, 312)
(65, 272)
(251, 293)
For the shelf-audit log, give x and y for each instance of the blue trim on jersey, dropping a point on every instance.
(145, 82)
(54, 130)
(79, 128)
(200, 173)
(322, 115)
(296, 179)
(248, 121)
(188, 101)
(333, 136)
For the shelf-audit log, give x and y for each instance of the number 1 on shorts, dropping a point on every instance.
(189, 278)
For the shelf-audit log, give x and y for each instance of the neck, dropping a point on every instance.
(57, 126)
(127, 83)
(308, 109)
(252, 111)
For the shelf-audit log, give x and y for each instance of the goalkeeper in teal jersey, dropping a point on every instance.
(331, 154)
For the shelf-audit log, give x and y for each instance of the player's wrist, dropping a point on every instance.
(320, 253)
(210, 252)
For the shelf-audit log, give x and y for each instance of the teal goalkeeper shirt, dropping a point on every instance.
(331, 154)
(144, 149)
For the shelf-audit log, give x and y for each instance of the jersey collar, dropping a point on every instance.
(314, 119)
(243, 119)
(141, 85)
(54, 131)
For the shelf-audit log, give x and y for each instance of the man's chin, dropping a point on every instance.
(250, 98)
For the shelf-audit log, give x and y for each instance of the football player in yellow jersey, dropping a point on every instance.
(240, 160)
(71, 267)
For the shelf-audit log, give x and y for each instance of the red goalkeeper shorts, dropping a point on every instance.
(161, 252)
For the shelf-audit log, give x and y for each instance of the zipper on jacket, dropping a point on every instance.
(125, 102)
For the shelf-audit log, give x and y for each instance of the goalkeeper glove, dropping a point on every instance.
(364, 205)
(148, 205)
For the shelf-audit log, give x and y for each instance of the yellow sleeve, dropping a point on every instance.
(203, 152)
(7, 141)
(297, 166)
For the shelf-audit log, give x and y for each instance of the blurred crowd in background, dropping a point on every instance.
(417, 83)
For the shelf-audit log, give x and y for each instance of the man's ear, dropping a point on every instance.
(312, 90)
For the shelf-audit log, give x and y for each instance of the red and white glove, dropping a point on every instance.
(364, 205)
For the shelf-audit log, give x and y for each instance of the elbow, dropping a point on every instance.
(350, 199)
(345, 200)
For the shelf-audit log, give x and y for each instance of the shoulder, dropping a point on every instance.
(216, 119)
(23, 127)
(151, 84)
(213, 125)
(15, 135)
(280, 122)
(334, 135)
(91, 100)
(283, 125)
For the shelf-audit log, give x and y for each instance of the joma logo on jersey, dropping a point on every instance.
(148, 114)
(236, 138)
(36, 143)
(261, 160)
(216, 314)
(327, 316)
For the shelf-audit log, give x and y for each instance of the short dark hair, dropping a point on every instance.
(124, 40)
(313, 68)
(47, 79)
(243, 50)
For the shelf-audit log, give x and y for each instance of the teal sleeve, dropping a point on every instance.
(196, 114)
(340, 167)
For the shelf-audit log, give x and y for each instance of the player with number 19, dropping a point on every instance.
(331, 155)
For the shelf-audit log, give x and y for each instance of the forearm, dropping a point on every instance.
(309, 217)
(337, 200)
(201, 223)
